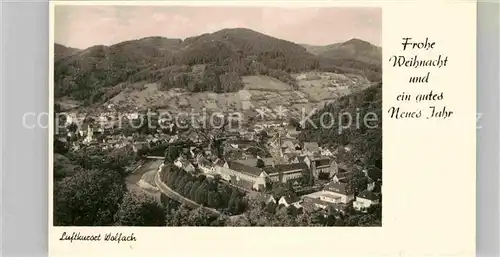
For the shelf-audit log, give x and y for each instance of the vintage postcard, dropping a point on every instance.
(172, 120)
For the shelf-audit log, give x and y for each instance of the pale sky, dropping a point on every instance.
(84, 26)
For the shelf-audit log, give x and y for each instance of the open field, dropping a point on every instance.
(264, 83)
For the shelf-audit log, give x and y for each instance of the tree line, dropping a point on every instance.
(90, 190)
(204, 191)
(364, 138)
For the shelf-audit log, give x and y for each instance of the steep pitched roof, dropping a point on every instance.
(302, 159)
(205, 163)
(265, 198)
(291, 200)
(308, 200)
(242, 183)
(285, 168)
(249, 170)
(340, 188)
(323, 162)
(311, 146)
(253, 162)
(368, 195)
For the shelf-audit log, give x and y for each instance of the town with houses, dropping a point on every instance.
(254, 157)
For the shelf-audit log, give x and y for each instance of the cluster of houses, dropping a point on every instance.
(249, 175)
(334, 195)
(104, 139)
(290, 161)
(99, 130)
(105, 116)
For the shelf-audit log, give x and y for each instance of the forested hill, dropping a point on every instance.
(352, 56)
(209, 62)
(363, 142)
(353, 49)
(61, 52)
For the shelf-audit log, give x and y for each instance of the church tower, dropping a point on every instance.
(89, 136)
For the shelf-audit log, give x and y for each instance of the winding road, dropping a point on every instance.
(172, 194)
(176, 196)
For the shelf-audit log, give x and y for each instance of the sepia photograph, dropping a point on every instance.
(217, 116)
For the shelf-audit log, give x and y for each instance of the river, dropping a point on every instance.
(142, 179)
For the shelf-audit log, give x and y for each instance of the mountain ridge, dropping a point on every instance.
(353, 48)
(61, 51)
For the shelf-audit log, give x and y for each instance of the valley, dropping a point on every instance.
(117, 140)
